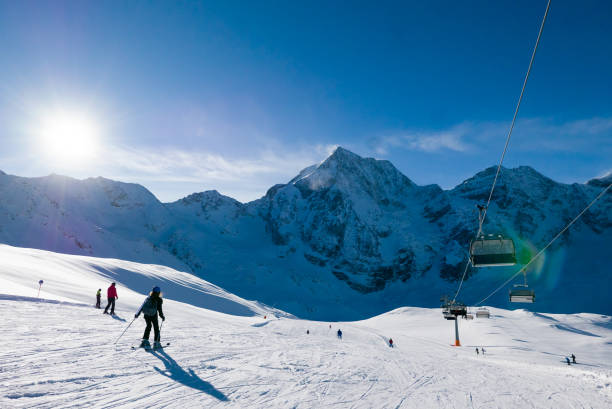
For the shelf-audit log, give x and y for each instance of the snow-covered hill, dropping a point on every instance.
(75, 279)
(58, 350)
(348, 238)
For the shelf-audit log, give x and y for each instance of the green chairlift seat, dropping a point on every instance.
(492, 251)
(522, 295)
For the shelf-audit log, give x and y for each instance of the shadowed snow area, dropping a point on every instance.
(58, 351)
(77, 278)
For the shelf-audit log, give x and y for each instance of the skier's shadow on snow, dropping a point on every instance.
(188, 378)
(116, 317)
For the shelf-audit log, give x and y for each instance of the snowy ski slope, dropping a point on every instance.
(58, 350)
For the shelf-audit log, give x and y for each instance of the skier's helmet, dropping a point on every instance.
(156, 289)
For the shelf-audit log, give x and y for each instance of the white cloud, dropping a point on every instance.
(545, 135)
(452, 139)
(530, 134)
(242, 178)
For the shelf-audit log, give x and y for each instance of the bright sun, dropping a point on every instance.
(69, 137)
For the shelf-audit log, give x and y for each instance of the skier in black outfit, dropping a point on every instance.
(150, 308)
(573, 358)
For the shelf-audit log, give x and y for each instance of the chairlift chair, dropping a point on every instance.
(522, 295)
(448, 316)
(458, 309)
(492, 251)
(483, 313)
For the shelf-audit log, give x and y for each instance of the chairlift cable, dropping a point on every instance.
(467, 265)
(482, 217)
(523, 270)
(501, 160)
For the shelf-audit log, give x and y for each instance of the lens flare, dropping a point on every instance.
(68, 137)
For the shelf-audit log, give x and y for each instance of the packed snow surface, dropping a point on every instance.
(59, 350)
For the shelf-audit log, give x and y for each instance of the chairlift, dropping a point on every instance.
(522, 295)
(492, 251)
(447, 308)
(469, 316)
(483, 313)
(448, 316)
(458, 309)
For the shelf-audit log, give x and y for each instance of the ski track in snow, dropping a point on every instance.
(59, 355)
(58, 352)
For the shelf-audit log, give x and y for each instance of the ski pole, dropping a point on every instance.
(160, 327)
(125, 330)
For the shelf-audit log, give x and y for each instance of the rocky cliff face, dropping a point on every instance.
(359, 218)
(347, 238)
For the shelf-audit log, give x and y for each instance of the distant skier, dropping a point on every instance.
(339, 334)
(98, 297)
(477, 353)
(483, 350)
(573, 358)
(567, 360)
(111, 293)
(391, 342)
(307, 331)
(150, 308)
(329, 326)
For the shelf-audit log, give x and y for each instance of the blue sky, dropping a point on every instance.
(239, 96)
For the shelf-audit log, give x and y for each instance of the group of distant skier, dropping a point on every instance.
(567, 359)
(339, 334)
(150, 308)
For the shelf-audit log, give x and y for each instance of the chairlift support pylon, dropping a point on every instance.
(452, 310)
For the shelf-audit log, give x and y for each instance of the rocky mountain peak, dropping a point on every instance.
(342, 155)
(207, 197)
(522, 178)
(350, 173)
(603, 181)
(207, 201)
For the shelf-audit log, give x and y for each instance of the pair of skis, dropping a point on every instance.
(149, 347)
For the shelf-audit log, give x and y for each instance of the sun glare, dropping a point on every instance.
(69, 137)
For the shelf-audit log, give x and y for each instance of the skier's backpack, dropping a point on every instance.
(149, 307)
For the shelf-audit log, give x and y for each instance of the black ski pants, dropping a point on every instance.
(151, 320)
(98, 299)
(111, 304)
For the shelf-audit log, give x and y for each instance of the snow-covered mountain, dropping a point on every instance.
(348, 238)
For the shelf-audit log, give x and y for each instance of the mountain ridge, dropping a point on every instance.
(347, 238)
